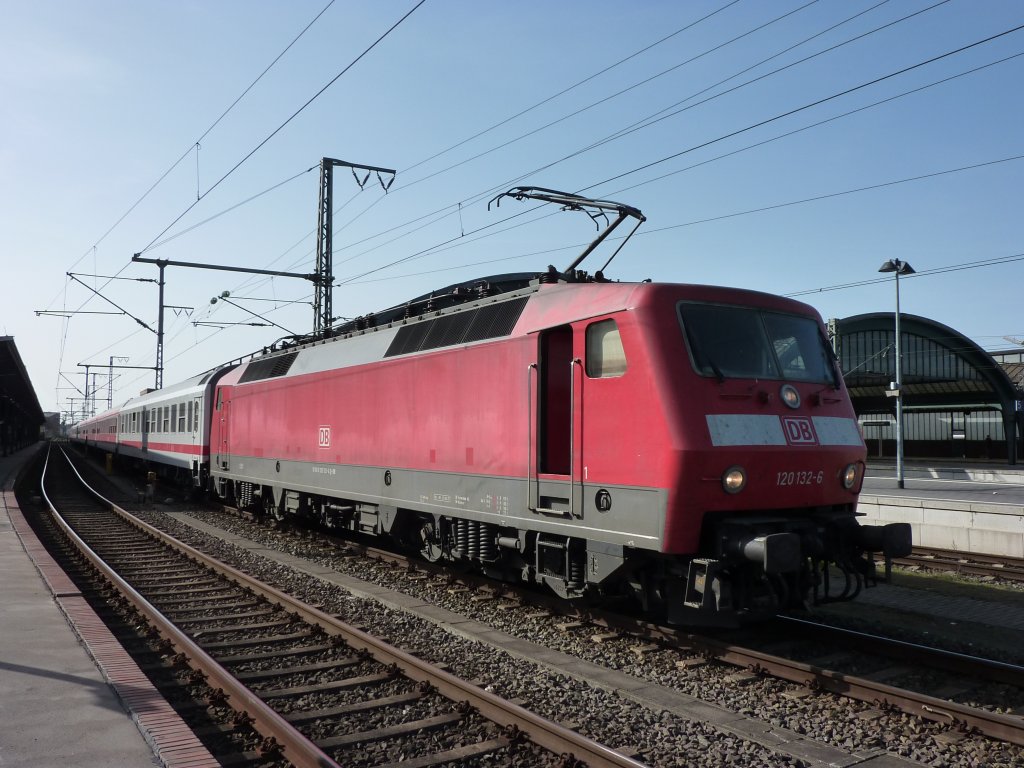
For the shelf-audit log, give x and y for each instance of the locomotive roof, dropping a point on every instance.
(475, 318)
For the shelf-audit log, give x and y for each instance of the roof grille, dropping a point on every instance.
(268, 368)
(487, 322)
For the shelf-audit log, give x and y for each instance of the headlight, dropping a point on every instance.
(734, 480)
(849, 476)
(790, 396)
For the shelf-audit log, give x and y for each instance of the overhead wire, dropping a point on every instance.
(650, 119)
(279, 128)
(205, 133)
(920, 273)
(634, 86)
(561, 93)
(231, 208)
(166, 173)
(449, 241)
(668, 227)
(285, 123)
(809, 105)
(572, 87)
(819, 123)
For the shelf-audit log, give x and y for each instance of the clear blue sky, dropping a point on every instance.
(100, 99)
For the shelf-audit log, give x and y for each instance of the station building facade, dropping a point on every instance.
(959, 401)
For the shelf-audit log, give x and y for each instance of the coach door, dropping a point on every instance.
(145, 415)
(557, 421)
(195, 417)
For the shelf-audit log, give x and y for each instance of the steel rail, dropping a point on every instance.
(1008, 728)
(545, 733)
(948, 661)
(973, 564)
(298, 749)
(1005, 727)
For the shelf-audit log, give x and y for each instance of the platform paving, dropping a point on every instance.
(57, 706)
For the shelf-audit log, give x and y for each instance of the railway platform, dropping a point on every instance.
(69, 694)
(978, 471)
(970, 507)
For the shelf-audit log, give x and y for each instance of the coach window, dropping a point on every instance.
(606, 358)
(164, 412)
(189, 428)
(174, 417)
(181, 417)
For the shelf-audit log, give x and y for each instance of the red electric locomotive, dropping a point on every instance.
(693, 446)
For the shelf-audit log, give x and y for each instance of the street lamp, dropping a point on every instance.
(898, 268)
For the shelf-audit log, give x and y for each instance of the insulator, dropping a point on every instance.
(551, 276)
(408, 311)
(488, 546)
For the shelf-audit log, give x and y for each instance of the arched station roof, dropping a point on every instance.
(942, 368)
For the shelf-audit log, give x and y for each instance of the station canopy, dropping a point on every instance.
(942, 369)
(20, 414)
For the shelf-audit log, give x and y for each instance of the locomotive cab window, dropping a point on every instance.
(748, 343)
(605, 356)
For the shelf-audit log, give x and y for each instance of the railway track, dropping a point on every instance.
(949, 688)
(966, 563)
(320, 692)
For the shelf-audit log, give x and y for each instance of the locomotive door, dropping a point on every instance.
(558, 421)
(223, 445)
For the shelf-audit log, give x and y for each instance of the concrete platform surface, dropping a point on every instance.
(57, 707)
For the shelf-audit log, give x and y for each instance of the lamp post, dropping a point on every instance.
(898, 268)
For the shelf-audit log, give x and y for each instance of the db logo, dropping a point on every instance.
(799, 430)
(325, 437)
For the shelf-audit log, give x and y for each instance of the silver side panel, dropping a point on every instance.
(636, 517)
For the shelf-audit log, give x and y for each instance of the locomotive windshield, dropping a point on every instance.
(747, 343)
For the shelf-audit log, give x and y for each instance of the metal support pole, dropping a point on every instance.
(87, 394)
(324, 281)
(899, 391)
(160, 334)
(899, 268)
(323, 298)
(110, 379)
